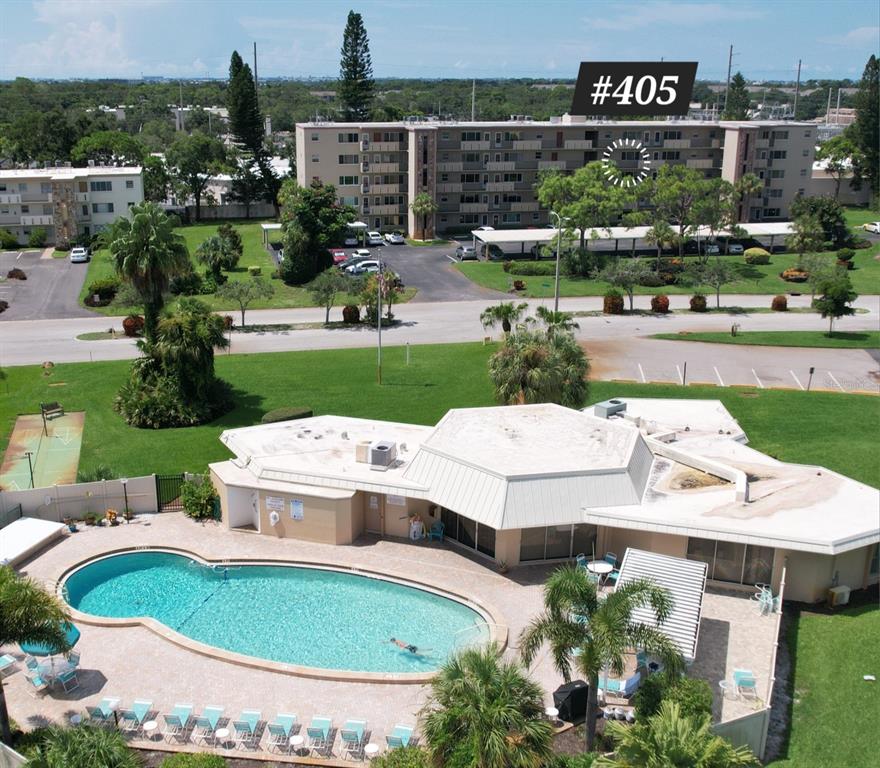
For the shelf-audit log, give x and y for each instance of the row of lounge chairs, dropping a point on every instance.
(284, 734)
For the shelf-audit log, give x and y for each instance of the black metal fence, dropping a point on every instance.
(168, 492)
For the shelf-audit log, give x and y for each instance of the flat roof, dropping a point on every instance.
(558, 122)
(63, 172)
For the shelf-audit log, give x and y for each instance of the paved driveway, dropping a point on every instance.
(431, 269)
(50, 291)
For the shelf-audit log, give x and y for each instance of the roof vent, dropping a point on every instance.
(608, 408)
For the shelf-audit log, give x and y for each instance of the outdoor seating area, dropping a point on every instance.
(213, 728)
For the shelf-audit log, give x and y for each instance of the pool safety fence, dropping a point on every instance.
(59, 502)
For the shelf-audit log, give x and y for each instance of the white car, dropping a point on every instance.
(485, 229)
(79, 255)
(872, 226)
(364, 267)
(735, 249)
(374, 238)
(394, 238)
(361, 253)
(712, 249)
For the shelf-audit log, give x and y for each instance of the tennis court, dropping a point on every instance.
(54, 457)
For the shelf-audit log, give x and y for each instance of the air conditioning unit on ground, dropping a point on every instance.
(382, 453)
(838, 596)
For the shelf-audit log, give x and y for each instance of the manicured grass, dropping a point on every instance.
(420, 243)
(855, 217)
(835, 430)
(835, 712)
(838, 340)
(253, 255)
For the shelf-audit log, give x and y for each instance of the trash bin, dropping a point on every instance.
(571, 700)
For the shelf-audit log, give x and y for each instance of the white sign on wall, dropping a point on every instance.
(274, 504)
(374, 502)
(296, 509)
(397, 501)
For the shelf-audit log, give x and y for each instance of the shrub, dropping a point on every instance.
(37, 238)
(698, 303)
(8, 241)
(234, 246)
(194, 760)
(63, 247)
(583, 263)
(860, 242)
(288, 413)
(519, 285)
(188, 284)
(845, 254)
(228, 322)
(828, 245)
(405, 757)
(583, 760)
(197, 497)
(671, 265)
(133, 325)
(795, 275)
(351, 314)
(845, 264)
(157, 402)
(660, 303)
(692, 695)
(757, 256)
(105, 289)
(651, 280)
(506, 265)
(531, 268)
(209, 286)
(4, 305)
(254, 270)
(16, 274)
(669, 278)
(96, 473)
(779, 303)
(612, 303)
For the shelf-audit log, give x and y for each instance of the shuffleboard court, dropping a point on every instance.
(54, 456)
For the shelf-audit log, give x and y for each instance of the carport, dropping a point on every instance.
(507, 237)
(267, 228)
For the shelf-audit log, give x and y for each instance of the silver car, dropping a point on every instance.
(466, 252)
(79, 255)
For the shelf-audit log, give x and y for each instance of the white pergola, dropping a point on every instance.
(267, 228)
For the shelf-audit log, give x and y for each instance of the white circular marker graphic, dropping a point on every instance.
(626, 178)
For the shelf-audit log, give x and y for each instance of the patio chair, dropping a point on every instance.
(68, 680)
(7, 665)
(97, 716)
(31, 663)
(745, 682)
(611, 559)
(73, 658)
(243, 734)
(436, 530)
(278, 738)
(173, 728)
(203, 731)
(183, 712)
(128, 721)
(401, 736)
(581, 561)
(319, 733)
(37, 685)
(142, 709)
(353, 735)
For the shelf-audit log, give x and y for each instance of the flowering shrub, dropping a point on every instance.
(779, 304)
(612, 304)
(660, 303)
(133, 325)
(795, 275)
(698, 303)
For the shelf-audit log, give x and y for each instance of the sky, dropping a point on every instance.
(434, 38)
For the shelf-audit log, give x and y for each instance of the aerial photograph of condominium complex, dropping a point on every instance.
(456, 384)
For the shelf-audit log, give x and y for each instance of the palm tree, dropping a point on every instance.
(484, 712)
(556, 321)
(86, 746)
(214, 253)
(505, 312)
(533, 367)
(423, 205)
(745, 187)
(595, 634)
(659, 235)
(672, 739)
(147, 253)
(28, 614)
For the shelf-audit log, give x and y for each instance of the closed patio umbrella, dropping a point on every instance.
(71, 633)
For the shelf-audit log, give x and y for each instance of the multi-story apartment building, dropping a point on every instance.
(66, 202)
(485, 173)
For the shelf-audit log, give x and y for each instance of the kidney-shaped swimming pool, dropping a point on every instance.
(298, 615)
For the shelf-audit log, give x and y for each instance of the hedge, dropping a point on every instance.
(289, 413)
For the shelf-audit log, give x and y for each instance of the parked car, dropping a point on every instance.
(374, 239)
(365, 267)
(712, 249)
(395, 238)
(362, 253)
(735, 249)
(79, 255)
(351, 239)
(338, 255)
(872, 226)
(484, 228)
(466, 252)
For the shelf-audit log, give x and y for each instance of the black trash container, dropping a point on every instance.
(571, 700)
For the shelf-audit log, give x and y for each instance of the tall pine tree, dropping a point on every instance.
(865, 131)
(736, 105)
(355, 89)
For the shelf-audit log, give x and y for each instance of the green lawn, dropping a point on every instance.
(838, 340)
(254, 255)
(835, 712)
(794, 426)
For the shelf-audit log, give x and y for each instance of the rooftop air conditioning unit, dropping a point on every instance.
(382, 453)
(362, 452)
(608, 408)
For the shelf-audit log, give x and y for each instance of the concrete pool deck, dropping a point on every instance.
(134, 662)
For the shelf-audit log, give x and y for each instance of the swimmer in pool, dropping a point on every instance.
(405, 646)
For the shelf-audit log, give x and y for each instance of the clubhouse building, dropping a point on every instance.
(542, 483)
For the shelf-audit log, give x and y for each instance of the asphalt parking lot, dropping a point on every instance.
(51, 290)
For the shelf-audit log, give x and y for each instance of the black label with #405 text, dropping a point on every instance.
(643, 88)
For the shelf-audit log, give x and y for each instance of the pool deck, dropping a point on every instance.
(134, 662)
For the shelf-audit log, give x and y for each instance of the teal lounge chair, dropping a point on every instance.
(37, 685)
(353, 735)
(203, 731)
(279, 737)
(246, 728)
(7, 665)
(97, 716)
(128, 721)
(401, 736)
(320, 734)
(173, 728)
(436, 531)
(745, 682)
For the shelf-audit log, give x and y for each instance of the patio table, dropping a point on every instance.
(600, 567)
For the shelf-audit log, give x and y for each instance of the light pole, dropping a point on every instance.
(124, 481)
(30, 466)
(559, 220)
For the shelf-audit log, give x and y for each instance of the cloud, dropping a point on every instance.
(859, 36)
(673, 14)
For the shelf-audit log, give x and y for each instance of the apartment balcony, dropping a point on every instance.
(36, 197)
(473, 186)
(447, 167)
(716, 144)
(81, 197)
(473, 207)
(530, 205)
(385, 210)
(578, 144)
(533, 144)
(387, 146)
(479, 165)
(7, 219)
(386, 168)
(388, 189)
(763, 143)
(501, 166)
(501, 186)
(700, 162)
(546, 165)
(449, 187)
(677, 144)
(470, 146)
(11, 198)
(45, 220)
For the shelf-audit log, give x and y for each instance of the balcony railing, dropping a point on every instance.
(501, 186)
(474, 145)
(450, 187)
(544, 165)
(388, 189)
(446, 167)
(700, 162)
(507, 165)
(37, 221)
(527, 144)
(530, 205)
(10, 198)
(578, 144)
(387, 146)
(677, 144)
(387, 168)
(473, 207)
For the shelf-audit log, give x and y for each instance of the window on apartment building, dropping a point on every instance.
(511, 218)
(556, 542)
(316, 137)
(511, 198)
(316, 158)
(469, 218)
(780, 135)
(444, 199)
(807, 134)
(349, 159)
(353, 200)
(800, 191)
(775, 193)
(608, 136)
(444, 137)
(46, 187)
(671, 135)
(771, 213)
(102, 207)
(777, 174)
(517, 177)
(129, 183)
(765, 134)
(629, 155)
(630, 135)
(538, 155)
(672, 154)
(470, 178)
(779, 154)
(349, 181)
(101, 186)
(347, 138)
(803, 171)
(535, 217)
(442, 219)
(85, 210)
(22, 186)
(806, 152)
(444, 177)
(2, 187)
(736, 563)
(5, 211)
(47, 210)
(470, 136)
(131, 205)
(471, 157)
(24, 209)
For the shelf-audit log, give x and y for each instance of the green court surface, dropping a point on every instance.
(54, 456)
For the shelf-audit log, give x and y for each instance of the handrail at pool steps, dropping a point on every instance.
(459, 643)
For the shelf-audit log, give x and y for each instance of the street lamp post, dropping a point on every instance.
(30, 466)
(124, 481)
(559, 220)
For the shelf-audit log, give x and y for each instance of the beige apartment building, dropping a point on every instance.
(484, 173)
(65, 201)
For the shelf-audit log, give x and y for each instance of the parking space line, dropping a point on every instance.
(642, 374)
(452, 259)
(720, 380)
(680, 377)
(836, 382)
(794, 376)
(760, 384)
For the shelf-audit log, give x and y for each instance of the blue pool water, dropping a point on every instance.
(296, 615)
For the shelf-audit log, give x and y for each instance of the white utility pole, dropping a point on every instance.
(797, 91)
(473, 99)
(828, 108)
(837, 113)
(729, 65)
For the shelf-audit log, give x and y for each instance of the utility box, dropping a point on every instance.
(838, 596)
(609, 408)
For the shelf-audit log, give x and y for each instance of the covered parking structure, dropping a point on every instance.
(508, 239)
